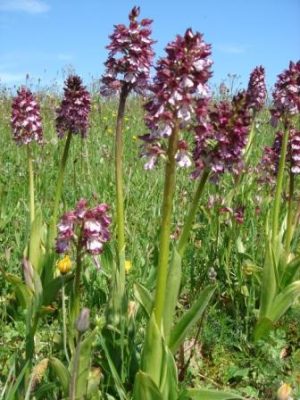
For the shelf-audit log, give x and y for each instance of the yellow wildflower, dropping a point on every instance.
(128, 266)
(134, 137)
(283, 393)
(64, 265)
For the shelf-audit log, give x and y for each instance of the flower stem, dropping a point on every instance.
(289, 229)
(191, 215)
(73, 380)
(64, 321)
(31, 184)
(75, 306)
(250, 142)
(59, 184)
(119, 180)
(279, 185)
(164, 244)
(30, 335)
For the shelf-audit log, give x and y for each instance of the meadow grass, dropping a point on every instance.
(224, 353)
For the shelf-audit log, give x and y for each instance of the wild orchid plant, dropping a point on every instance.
(26, 125)
(127, 70)
(179, 102)
(256, 98)
(72, 119)
(280, 285)
(41, 284)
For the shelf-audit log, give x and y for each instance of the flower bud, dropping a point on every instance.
(82, 323)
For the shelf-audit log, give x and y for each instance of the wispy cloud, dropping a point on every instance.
(231, 49)
(29, 6)
(64, 56)
(7, 77)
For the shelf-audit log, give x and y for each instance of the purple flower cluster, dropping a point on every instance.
(270, 159)
(271, 156)
(257, 91)
(89, 226)
(286, 96)
(221, 136)
(295, 151)
(130, 56)
(179, 91)
(73, 113)
(25, 118)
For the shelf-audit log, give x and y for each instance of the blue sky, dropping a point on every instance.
(45, 37)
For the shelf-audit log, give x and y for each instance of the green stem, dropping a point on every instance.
(64, 321)
(75, 307)
(279, 185)
(73, 380)
(119, 184)
(192, 212)
(164, 244)
(29, 346)
(250, 142)
(289, 229)
(57, 197)
(31, 184)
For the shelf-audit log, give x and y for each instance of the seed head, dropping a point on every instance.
(73, 113)
(25, 118)
(130, 56)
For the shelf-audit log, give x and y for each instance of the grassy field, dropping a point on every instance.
(220, 351)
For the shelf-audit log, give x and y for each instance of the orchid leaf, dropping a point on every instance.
(190, 318)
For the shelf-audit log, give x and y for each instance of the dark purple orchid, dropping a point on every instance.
(222, 135)
(179, 92)
(271, 156)
(130, 57)
(89, 225)
(73, 113)
(25, 118)
(295, 151)
(286, 96)
(257, 91)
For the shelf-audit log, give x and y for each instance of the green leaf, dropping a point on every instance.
(153, 351)
(23, 293)
(145, 388)
(35, 250)
(173, 286)
(269, 284)
(262, 328)
(62, 373)
(190, 318)
(144, 297)
(84, 365)
(50, 291)
(169, 383)
(117, 380)
(290, 271)
(284, 300)
(11, 395)
(206, 394)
